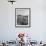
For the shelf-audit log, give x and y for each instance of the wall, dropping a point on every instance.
(37, 30)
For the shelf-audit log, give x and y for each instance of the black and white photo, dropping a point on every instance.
(22, 17)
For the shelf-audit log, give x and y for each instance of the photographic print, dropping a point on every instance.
(22, 17)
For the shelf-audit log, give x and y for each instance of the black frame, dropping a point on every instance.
(29, 18)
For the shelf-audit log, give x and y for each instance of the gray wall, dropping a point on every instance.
(8, 31)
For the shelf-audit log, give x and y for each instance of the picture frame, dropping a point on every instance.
(22, 17)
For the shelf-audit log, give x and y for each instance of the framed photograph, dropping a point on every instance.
(22, 17)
